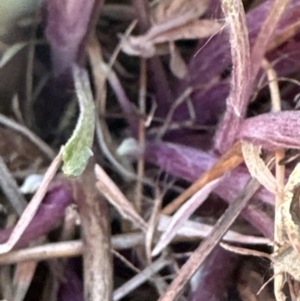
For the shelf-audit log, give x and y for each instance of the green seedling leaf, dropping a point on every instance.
(77, 150)
(11, 52)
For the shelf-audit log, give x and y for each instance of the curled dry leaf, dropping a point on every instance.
(194, 29)
(237, 100)
(166, 10)
(257, 167)
(149, 44)
(288, 261)
(287, 223)
(172, 20)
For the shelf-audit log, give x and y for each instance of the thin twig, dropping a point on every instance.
(152, 226)
(205, 248)
(232, 158)
(262, 41)
(139, 279)
(100, 74)
(6, 283)
(44, 252)
(23, 276)
(181, 99)
(29, 116)
(190, 230)
(119, 46)
(33, 206)
(183, 214)
(114, 195)
(126, 262)
(67, 249)
(28, 134)
(11, 189)
(244, 251)
(142, 135)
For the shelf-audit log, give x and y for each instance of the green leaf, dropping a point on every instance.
(77, 150)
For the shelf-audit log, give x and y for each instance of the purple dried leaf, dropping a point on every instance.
(142, 13)
(211, 60)
(213, 277)
(190, 163)
(258, 217)
(30, 211)
(71, 289)
(179, 160)
(234, 182)
(207, 66)
(272, 130)
(190, 138)
(58, 197)
(241, 89)
(67, 25)
(209, 101)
